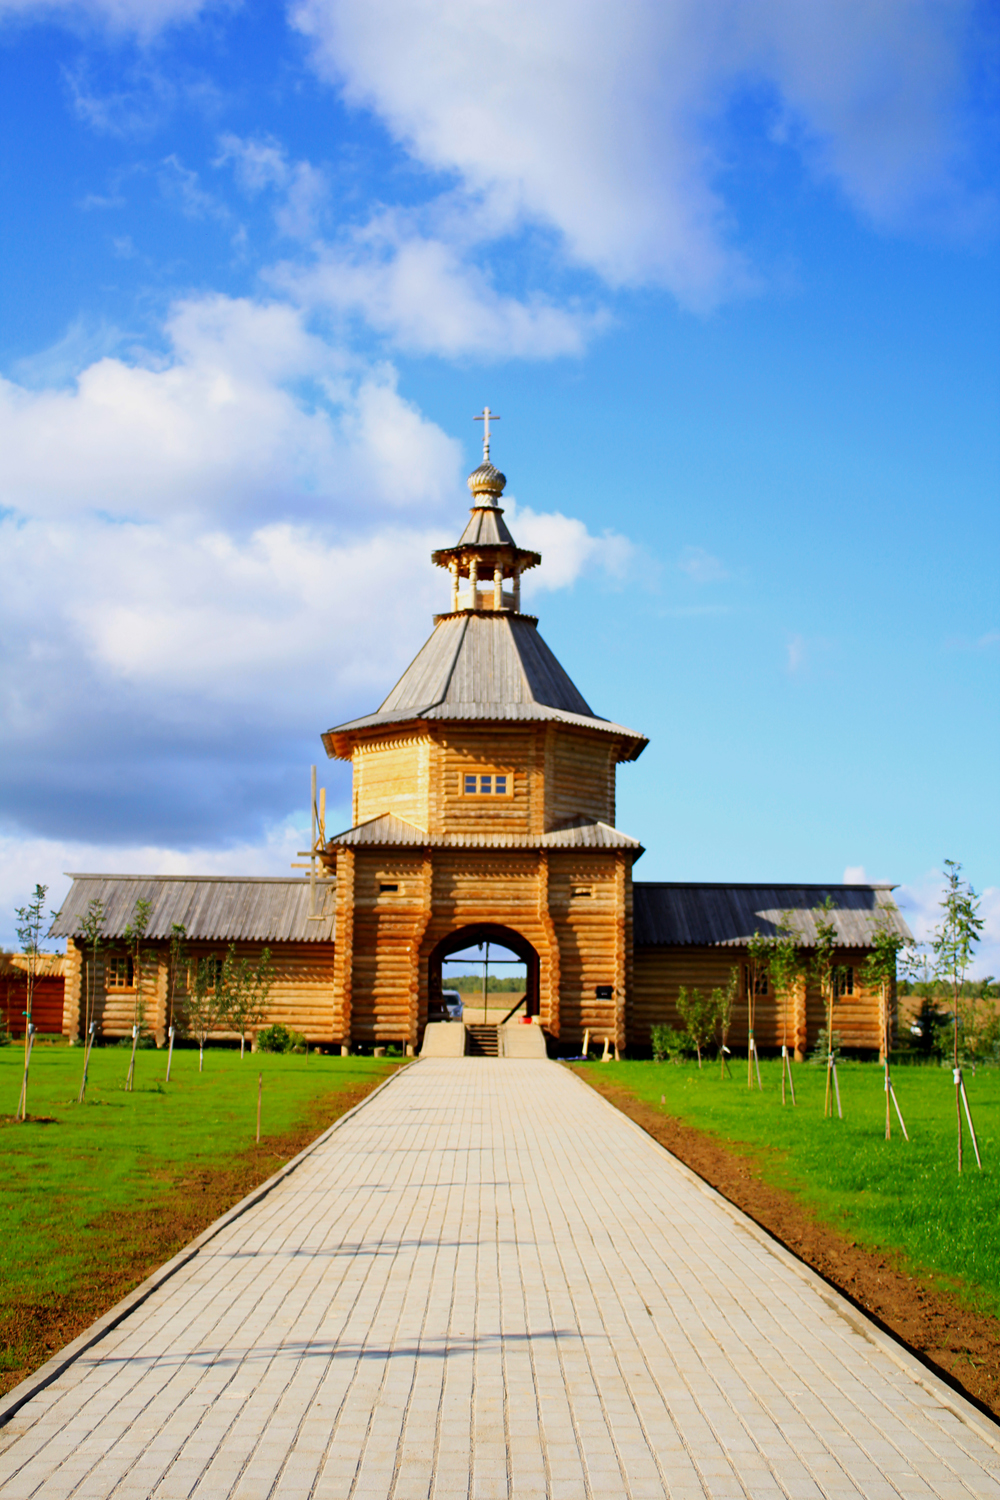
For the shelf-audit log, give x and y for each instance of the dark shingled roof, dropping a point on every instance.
(727, 915)
(487, 666)
(576, 833)
(213, 908)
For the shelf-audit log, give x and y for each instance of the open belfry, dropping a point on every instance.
(483, 808)
(483, 812)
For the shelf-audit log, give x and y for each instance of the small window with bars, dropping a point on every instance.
(487, 783)
(845, 980)
(119, 971)
(760, 984)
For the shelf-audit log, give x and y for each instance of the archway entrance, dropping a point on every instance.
(470, 937)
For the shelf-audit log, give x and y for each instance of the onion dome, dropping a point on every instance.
(486, 480)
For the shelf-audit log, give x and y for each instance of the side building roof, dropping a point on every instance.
(674, 915)
(485, 666)
(395, 833)
(213, 908)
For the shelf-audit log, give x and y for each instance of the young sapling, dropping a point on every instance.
(178, 966)
(90, 932)
(879, 972)
(758, 956)
(697, 1011)
(952, 944)
(785, 966)
(827, 975)
(134, 934)
(29, 932)
(724, 1003)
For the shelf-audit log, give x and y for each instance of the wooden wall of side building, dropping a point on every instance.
(659, 972)
(301, 998)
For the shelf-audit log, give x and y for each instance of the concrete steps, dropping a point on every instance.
(481, 1040)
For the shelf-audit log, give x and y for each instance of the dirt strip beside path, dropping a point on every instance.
(962, 1346)
(130, 1245)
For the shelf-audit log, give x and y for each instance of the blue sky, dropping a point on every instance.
(729, 277)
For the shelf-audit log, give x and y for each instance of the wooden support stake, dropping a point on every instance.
(88, 1045)
(607, 1049)
(170, 1053)
(968, 1116)
(130, 1077)
(836, 1087)
(899, 1112)
(586, 1041)
(260, 1090)
(29, 1037)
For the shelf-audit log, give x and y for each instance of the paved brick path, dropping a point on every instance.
(489, 1283)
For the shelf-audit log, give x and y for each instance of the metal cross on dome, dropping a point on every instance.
(486, 418)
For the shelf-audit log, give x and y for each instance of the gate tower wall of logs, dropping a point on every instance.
(483, 796)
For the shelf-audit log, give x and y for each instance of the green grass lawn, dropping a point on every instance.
(891, 1195)
(71, 1168)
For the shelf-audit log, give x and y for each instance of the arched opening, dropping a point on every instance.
(499, 938)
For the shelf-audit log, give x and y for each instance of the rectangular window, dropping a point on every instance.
(387, 886)
(582, 890)
(119, 972)
(487, 784)
(760, 988)
(845, 979)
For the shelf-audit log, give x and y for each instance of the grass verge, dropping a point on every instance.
(888, 1223)
(97, 1195)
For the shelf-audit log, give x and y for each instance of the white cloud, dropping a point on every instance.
(248, 415)
(260, 164)
(701, 567)
(27, 862)
(920, 904)
(143, 18)
(210, 557)
(567, 547)
(429, 297)
(607, 124)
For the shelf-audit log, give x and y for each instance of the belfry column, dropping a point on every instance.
(474, 580)
(498, 587)
(517, 588)
(453, 569)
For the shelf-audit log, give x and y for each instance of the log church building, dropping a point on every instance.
(483, 809)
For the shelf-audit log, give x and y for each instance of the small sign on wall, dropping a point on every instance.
(605, 991)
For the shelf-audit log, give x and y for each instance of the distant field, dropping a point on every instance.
(888, 1194)
(95, 1196)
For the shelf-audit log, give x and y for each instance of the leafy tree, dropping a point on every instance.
(697, 1011)
(30, 920)
(134, 936)
(724, 1003)
(90, 932)
(953, 943)
(827, 975)
(245, 989)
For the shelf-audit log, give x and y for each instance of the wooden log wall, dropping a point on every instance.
(555, 774)
(659, 972)
(301, 998)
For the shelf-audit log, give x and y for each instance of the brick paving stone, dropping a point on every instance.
(487, 1283)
